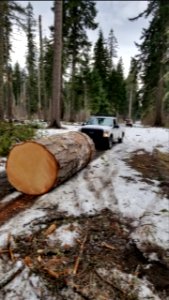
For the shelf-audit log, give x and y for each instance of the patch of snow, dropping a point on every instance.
(10, 197)
(2, 164)
(153, 257)
(26, 286)
(132, 285)
(51, 131)
(2, 168)
(65, 234)
(20, 224)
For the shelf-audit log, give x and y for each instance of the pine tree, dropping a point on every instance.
(17, 83)
(152, 57)
(101, 59)
(31, 59)
(79, 15)
(122, 102)
(132, 91)
(117, 90)
(10, 14)
(99, 104)
(112, 47)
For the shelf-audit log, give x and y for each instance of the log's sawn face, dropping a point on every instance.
(31, 168)
(34, 167)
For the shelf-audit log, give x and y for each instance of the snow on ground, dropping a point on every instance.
(141, 289)
(2, 164)
(65, 234)
(103, 184)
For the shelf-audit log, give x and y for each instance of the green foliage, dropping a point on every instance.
(98, 98)
(78, 16)
(48, 65)
(132, 91)
(117, 93)
(10, 14)
(152, 58)
(108, 85)
(102, 59)
(11, 134)
(17, 81)
(112, 47)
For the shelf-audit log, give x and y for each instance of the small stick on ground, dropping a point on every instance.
(10, 251)
(108, 246)
(111, 284)
(7, 278)
(83, 293)
(75, 269)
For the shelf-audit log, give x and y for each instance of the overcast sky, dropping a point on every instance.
(111, 14)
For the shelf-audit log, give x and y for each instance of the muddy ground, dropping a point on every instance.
(152, 166)
(104, 242)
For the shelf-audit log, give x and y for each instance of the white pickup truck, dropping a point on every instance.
(104, 131)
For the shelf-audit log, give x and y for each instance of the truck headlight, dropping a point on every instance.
(106, 134)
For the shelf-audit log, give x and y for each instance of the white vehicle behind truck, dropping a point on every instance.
(104, 131)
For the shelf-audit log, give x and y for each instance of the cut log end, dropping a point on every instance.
(31, 168)
(35, 167)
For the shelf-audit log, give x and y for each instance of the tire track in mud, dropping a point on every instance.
(21, 202)
(15, 206)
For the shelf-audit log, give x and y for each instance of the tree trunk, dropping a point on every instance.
(159, 101)
(130, 102)
(42, 85)
(72, 100)
(34, 167)
(1, 59)
(9, 94)
(57, 66)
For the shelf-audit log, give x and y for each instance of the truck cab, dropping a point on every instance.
(103, 130)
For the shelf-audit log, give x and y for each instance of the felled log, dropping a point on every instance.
(34, 167)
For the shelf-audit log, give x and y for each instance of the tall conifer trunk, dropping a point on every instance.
(57, 67)
(42, 86)
(72, 100)
(1, 59)
(159, 101)
(9, 94)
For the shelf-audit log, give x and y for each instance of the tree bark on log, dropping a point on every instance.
(35, 167)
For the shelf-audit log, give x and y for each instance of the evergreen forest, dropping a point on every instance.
(67, 78)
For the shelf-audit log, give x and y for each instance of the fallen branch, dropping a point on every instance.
(11, 275)
(9, 248)
(111, 284)
(108, 246)
(82, 292)
(75, 269)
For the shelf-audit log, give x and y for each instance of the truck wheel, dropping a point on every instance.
(110, 142)
(120, 140)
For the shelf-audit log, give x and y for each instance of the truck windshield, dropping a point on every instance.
(100, 121)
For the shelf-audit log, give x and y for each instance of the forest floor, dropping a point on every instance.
(102, 235)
